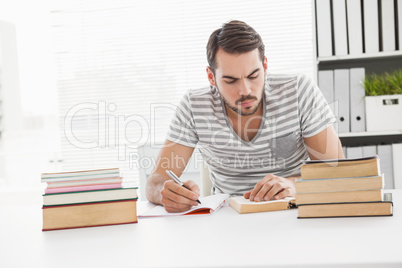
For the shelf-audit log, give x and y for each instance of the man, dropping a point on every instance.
(252, 128)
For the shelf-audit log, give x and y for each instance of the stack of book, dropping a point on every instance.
(87, 198)
(342, 188)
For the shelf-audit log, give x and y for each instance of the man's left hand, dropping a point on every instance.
(271, 187)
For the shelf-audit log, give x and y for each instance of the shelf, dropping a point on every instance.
(370, 138)
(378, 63)
(360, 56)
(366, 134)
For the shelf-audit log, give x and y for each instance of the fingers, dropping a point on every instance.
(285, 193)
(176, 198)
(261, 188)
(270, 187)
(247, 194)
(192, 186)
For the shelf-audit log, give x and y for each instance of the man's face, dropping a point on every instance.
(240, 80)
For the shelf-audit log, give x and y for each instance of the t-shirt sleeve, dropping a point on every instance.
(314, 111)
(182, 127)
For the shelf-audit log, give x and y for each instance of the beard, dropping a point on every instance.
(243, 98)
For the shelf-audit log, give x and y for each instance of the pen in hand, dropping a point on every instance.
(177, 180)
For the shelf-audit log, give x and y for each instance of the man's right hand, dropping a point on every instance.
(176, 198)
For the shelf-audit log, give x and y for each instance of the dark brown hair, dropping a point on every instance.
(235, 37)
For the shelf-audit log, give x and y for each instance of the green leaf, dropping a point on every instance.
(383, 84)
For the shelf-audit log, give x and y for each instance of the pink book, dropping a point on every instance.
(82, 188)
(69, 183)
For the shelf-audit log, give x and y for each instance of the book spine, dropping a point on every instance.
(369, 150)
(355, 32)
(357, 106)
(397, 160)
(84, 172)
(385, 153)
(326, 84)
(324, 28)
(84, 182)
(399, 4)
(371, 33)
(341, 87)
(89, 204)
(86, 226)
(354, 152)
(83, 188)
(85, 177)
(388, 25)
(340, 33)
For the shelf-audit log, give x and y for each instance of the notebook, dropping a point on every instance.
(209, 204)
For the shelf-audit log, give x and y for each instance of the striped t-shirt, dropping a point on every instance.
(293, 109)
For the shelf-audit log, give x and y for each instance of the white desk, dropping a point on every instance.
(223, 239)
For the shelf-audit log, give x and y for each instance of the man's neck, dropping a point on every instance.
(245, 126)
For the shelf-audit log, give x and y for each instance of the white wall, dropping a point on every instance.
(26, 150)
(28, 89)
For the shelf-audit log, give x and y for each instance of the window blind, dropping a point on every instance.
(123, 65)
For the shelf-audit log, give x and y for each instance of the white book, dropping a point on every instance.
(324, 32)
(397, 164)
(400, 23)
(369, 150)
(341, 86)
(388, 25)
(354, 152)
(386, 164)
(355, 33)
(326, 85)
(340, 33)
(371, 31)
(82, 173)
(82, 177)
(357, 106)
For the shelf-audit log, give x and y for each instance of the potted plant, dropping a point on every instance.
(383, 101)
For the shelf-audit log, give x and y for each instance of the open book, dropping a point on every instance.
(243, 205)
(208, 205)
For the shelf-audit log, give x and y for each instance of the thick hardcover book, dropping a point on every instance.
(89, 196)
(341, 168)
(340, 184)
(339, 197)
(351, 209)
(88, 215)
(243, 205)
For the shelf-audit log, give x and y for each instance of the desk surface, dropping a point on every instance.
(223, 239)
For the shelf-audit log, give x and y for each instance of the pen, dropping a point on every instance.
(177, 180)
